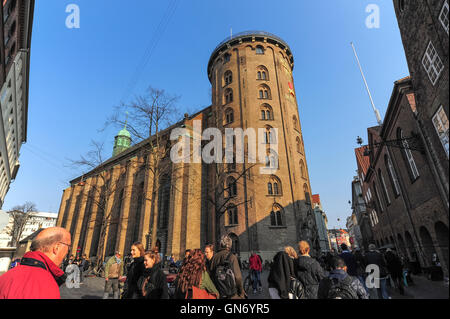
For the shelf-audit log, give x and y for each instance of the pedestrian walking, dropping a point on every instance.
(280, 276)
(113, 271)
(350, 260)
(193, 281)
(395, 268)
(309, 271)
(131, 289)
(340, 285)
(223, 264)
(83, 266)
(153, 281)
(255, 271)
(38, 276)
(379, 289)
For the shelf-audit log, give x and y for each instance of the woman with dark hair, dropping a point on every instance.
(153, 281)
(193, 275)
(131, 289)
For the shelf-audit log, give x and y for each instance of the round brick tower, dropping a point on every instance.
(253, 88)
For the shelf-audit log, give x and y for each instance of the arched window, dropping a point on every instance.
(383, 184)
(266, 112)
(226, 57)
(274, 186)
(302, 169)
(228, 96)
(262, 73)
(264, 92)
(259, 49)
(298, 144)
(270, 135)
(164, 201)
(228, 77)
(392, 176)
(272, 159)
(229, 116)
(407, 156)
(277, 216)
(231, 186)
(232, 214)
(295, 123)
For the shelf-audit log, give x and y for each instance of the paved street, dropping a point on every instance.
(423, 289)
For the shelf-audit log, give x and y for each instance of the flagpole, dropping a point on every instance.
(377, 113)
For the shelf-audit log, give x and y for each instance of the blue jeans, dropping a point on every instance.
(256, 275)
(383, 288)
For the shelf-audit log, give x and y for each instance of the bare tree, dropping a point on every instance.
(20, 216)
(101, 190)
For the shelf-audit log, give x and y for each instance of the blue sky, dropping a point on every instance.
(78, 75)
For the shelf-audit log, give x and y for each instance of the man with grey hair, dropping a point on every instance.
(38, 276)
(375, 258)
(223, 261)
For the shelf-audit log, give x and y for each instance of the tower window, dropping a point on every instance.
(228, 77)
(229, 116)
(432, 63)
(276, 216)
(232, 215)
(232, 188)
(226, 57)
(228, 96)
(259, 50)
(264, 92)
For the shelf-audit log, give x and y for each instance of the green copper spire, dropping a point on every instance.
(123, 140)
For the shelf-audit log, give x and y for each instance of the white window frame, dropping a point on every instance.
(380, 202)
(432, 63)
(409, 157)
(443, 16)
(440, 123)
(393, 176)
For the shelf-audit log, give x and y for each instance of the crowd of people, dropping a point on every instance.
(207, 274)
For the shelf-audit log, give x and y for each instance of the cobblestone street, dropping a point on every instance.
(92, 288)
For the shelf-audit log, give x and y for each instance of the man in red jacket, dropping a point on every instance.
(255, 268)
(38, 276)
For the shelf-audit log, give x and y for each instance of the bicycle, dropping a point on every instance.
(248, 282)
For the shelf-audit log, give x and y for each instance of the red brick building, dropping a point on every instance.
(403, 199)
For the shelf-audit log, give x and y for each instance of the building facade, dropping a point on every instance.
(16, 21)
(192, 203)
(37, 221)
(406, 208)
(428, 59)
(337, 238)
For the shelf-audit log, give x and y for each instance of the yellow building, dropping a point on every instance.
(188, 205)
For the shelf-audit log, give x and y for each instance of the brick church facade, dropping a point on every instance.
(190, 204)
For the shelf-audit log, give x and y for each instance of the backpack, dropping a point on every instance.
(341, 289)
(224, 279)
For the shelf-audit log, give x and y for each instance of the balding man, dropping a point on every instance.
(38, 276)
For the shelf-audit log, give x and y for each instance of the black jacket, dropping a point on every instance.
(281, 272)
(374, 257)
(135, 271)
(153, 282)
(218, 259)
(310, 273)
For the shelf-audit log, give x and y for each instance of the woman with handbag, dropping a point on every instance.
(153, 281)
(193, 281)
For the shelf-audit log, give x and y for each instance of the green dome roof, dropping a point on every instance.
(124, 132)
